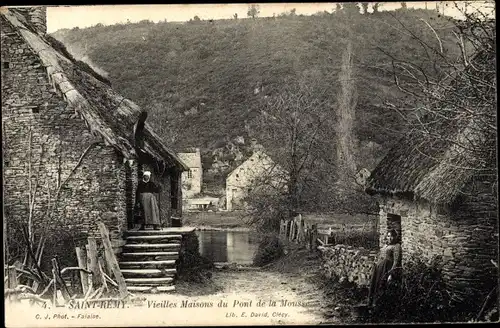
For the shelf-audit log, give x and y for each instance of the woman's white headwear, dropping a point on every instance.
(147, 173)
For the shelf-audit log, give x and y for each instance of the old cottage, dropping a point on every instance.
(191, 179)
(258, 169)
(439, 189)
(73, 147)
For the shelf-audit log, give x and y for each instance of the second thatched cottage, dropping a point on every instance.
(439, 190)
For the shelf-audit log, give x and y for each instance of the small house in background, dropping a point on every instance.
(441, 198)
(259, 168)
(72, 145)
(193, 178)
(201, 203)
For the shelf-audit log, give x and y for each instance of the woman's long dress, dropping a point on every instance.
(146, 194)
(390, 259)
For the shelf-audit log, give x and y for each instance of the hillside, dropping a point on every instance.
(201, 81)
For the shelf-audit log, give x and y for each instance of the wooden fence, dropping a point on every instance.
(298, 231)
(91, 279)
(310, 233)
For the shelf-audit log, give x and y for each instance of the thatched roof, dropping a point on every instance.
(106, 113)
(438, 166)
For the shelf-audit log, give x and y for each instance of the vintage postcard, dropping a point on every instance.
(249, 164)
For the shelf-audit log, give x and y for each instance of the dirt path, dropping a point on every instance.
(297, 301)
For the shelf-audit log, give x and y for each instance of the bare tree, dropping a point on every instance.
(455, 93)
(346, 111)
(375, 7)
(293, 122)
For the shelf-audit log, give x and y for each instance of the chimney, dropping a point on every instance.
(37, 16)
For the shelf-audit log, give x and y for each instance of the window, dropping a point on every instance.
(5, 65)
(190, 174)
(35, 110)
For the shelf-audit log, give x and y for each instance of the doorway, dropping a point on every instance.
(394, 222)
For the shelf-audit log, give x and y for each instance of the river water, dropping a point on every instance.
(228, 246)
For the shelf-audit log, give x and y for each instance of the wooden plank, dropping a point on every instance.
(57, 276)
(81, 257)
(94, 262)
(101, 270)
(112, 261)
(12, 280)
(88, 257)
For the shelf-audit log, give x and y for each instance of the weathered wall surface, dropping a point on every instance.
(258, 168)
(192, 179)
(40, 129)
(466, 238)
(348, 263)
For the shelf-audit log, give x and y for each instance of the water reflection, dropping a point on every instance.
(228, 246)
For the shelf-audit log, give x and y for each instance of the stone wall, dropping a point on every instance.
(465, 238)
(348, 263)
(40, 129)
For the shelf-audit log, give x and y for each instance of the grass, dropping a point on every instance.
(356, 238)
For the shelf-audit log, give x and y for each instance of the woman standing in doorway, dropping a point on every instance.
(385, 269)
(146, 196)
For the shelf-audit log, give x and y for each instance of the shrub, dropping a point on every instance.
(192, 266)
(420, 296)
(270, 249)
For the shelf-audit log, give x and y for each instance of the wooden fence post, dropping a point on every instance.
(81, 257)
(111, 259)
(94, 264)
(12, 279)
(314, 235)
(60, 281)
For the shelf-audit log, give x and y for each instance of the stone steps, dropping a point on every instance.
(150, 256)
(154, 239)
(149, 259)
(152, 233)
(147, 264)
(151, 289)
(149, 281)
(168, 247)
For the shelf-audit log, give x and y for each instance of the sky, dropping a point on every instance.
(86, 16)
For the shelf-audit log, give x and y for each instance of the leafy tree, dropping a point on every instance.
(364, 5)
(293, 12)
(375, 7)
(235, 16)
(253, 11)
(403, 5)
(196, 18)
(351, 8)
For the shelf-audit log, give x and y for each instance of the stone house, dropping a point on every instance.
(441, 198)
(193, 178)
(201, 203)
(73, 148)
(258, 169)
